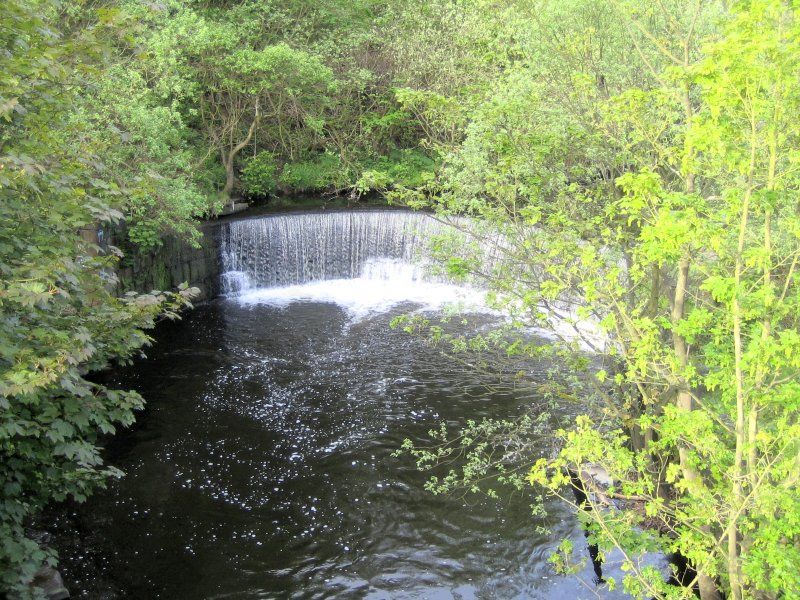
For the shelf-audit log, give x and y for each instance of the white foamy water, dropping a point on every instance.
(236, 282)
(382, 285)
(367, 262)
(295, 249)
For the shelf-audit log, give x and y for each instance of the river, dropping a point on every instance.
(263, 465)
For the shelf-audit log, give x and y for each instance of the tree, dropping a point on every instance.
(59, 319)
(686, 259)
(236, 91)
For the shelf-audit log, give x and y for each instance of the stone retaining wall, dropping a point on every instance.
(173, 263)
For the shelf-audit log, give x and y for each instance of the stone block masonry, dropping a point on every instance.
(174, 262)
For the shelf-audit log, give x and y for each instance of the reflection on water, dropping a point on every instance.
(262, 468)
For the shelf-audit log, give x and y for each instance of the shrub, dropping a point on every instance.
(258, 175)
(402, 168)
(318, 173)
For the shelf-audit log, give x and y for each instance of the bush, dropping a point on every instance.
(319, 173)
(402, 168)
(258, 175)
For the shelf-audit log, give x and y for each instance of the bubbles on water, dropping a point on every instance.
(235, 282)
(363, 296)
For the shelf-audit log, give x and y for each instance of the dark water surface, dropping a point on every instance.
(263, 468)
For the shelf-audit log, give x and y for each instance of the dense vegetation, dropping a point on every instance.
(641, 162)
(639, 159)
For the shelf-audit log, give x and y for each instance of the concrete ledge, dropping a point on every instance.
(234, 208)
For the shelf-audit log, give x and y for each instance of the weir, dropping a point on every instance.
(295, 249)
(367, 261)
(275, 415)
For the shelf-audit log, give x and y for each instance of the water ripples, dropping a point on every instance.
(263, 468)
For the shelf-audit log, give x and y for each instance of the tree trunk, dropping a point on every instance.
(230, 177)
(228, 158)
(708, 587)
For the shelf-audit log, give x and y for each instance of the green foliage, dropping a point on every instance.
(258, 175)
(315, 174)
(253, 77)
(630, 174)
(59, 318)
(653, 197)
(404, 168)
(148, 149)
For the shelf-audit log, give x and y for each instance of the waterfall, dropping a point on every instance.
(294, 249)
(365, 261)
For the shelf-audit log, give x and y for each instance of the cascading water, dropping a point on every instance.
(364, 261)
(285, 250)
